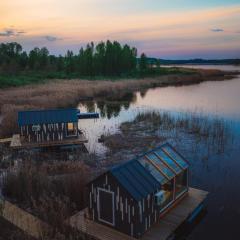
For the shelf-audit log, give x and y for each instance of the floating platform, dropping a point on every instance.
(16, 142)
(5, 140)
(184, 211)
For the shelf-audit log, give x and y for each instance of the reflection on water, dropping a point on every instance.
(219, 174)
(211, 98)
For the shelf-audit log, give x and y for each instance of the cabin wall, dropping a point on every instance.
(130, 217)
(45, 132)
(150, 212)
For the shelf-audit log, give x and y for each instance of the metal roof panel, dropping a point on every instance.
(47, 116)
(146, 173)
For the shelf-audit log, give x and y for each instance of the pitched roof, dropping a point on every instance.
(146, 173)
(47, 116)
(135, 179)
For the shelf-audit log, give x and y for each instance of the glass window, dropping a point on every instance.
(153, 170)
(175, 156)
(70, 126)
(165, 195)
(181, 183)
(71, 129)
(167, 171)
(168, 161)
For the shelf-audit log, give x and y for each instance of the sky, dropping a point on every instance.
(170, 29)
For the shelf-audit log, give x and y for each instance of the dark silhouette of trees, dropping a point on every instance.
(143, 62)
(105, 59)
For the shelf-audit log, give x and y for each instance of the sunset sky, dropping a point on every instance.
(173, 29)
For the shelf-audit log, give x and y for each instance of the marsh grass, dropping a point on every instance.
(201, 133)
(53, 192)
(211, 130)
(68, 93)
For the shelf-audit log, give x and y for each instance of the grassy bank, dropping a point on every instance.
(65, 93)
(34, 77)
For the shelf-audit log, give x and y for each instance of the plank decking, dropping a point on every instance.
(16, 142)
(161, 231)
(5, 140)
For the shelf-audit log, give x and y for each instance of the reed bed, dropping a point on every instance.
(61, 94)
(201, 133)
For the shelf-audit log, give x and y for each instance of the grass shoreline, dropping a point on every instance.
(65, 93)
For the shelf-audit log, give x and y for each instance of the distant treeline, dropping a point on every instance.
(196, 61)
(105, 59)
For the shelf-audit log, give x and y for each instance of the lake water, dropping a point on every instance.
(220, 174)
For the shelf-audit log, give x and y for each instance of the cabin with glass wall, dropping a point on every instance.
(133, 196)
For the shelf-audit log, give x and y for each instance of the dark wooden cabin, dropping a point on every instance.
(133, 196)
(48, 125)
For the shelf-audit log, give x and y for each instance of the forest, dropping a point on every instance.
(105, 59)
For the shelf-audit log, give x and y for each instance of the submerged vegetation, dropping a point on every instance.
(148, 130)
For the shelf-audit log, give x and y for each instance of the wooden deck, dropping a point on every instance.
(5, 140)
(161, 231)
(17, 143)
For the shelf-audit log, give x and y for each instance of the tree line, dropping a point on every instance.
(103, 59)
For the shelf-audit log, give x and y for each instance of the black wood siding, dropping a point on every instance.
(47, 132)
(131, 217)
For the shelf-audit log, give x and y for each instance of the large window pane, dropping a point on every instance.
(165, 196)
(181, 183)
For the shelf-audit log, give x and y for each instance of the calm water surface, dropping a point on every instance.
(220, 174)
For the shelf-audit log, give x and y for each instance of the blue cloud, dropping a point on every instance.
(217, 30)
(11, 32)
(51, 38)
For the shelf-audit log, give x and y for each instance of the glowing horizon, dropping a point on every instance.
(180, 29)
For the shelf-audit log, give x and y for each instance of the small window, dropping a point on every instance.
(70, 126)
(36, 128)
(71, 129)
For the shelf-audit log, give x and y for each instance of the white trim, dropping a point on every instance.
(129, 212)
(170, 203)
(140, 211)
(113, 206)
(90, 199)
(126, 205)
(106, 179)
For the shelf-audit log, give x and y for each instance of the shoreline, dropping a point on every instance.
(65, 93)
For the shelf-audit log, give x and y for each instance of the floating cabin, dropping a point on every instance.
(133, 196)
(57, 126)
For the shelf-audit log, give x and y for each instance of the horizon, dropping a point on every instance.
(171, 31)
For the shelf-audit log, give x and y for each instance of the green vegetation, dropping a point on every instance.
(106, 60)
